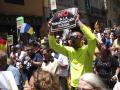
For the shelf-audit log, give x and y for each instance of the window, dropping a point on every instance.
(21, 2)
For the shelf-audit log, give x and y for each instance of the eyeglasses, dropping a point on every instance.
(75, 37)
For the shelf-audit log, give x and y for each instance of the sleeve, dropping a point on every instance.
(57, 47)
(90, 38)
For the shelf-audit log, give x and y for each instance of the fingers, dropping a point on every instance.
(49, 23)
(77, 18)
(49, 27)
(114, 78)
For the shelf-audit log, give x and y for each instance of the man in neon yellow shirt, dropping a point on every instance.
(80, 56)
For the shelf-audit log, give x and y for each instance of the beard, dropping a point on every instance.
(75, 46)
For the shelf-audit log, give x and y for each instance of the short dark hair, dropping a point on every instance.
(76, 29)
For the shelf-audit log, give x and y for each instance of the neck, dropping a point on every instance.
(76, 47)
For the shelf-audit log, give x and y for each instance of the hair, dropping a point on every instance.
(93, 80)
(3, 60)
(10, 61)
(76, 29)
(45, 81)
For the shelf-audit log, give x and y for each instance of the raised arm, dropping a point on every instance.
(89, 35)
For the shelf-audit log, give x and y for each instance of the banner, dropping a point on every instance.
(10, 39)
(3, 43)
(20, 21)
(53, 4)
(63, 19)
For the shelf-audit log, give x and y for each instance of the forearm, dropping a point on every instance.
(57, 47)
(86, 30)
(117, 71)
(63, 66)
(37, 63)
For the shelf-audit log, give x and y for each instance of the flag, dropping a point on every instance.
(26, 28)
(31, 31)
(3, 43)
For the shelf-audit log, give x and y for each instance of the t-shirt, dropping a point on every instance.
(38, 57)
(61, 60)
(50, 67)
(15, 73)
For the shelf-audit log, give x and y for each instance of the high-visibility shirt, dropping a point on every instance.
(81, 59)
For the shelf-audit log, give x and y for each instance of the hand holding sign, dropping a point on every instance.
(63, 19)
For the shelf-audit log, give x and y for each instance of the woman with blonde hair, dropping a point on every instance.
(42, 80)
(45, 81)
(90, 81)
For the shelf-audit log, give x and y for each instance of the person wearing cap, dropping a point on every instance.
(80, 56)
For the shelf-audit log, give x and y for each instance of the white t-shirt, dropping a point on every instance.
(50, 67)
(7, 81)
(62, 60)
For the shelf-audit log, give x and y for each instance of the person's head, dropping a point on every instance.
(76, 38)
(28, 50)
(90, 81)
(47, 54)
(107, 33)
(45, 81)
(36, 48)
(104, 50)
(117, 32)
(3, 60)
(10, 61)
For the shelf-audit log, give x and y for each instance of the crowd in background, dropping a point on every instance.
(36, 66)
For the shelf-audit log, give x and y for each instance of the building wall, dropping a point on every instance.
(114, 11)
(30, 7)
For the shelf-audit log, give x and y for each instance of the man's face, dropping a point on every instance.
(76, 38)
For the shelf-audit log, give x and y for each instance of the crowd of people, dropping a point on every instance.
(85, 60)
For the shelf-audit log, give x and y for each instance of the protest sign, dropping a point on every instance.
(10, 39)
(53, 4)
(63, 19)
(19, 21)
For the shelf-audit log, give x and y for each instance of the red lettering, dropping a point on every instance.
(62, 14)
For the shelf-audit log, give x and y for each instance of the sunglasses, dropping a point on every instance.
(75, 37)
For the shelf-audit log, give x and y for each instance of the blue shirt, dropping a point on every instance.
(38, 57)
(15, 72)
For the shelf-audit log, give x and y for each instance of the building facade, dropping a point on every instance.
(37, 12)
(32, 11)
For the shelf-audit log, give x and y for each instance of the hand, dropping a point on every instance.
(49, 27)
(77, 18)
(114, 78)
